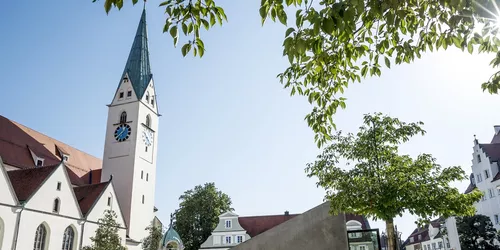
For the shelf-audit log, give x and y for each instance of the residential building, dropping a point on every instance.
(53, 194)
(428, 237)
(233, 229)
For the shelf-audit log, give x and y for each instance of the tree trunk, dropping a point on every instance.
(391, 238)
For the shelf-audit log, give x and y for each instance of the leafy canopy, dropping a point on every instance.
(198, 214)
(334, 43)
(477, 232)
(382, 183)
(106, 236)
(153, 240)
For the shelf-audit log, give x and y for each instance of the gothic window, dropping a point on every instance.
(123, 117)
(148, 121)
(55, 209)
(40, 238)
(68, 239)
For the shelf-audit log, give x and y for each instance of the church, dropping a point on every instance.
(53, 194)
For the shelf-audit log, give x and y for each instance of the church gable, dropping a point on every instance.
(106, 201)
(55, 195)
(149, 97)
(125, 92)
(7, 196)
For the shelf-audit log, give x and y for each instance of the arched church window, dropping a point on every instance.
(68, 238)
(123, 117)
(40, 238)
(148, 121)
(55, 209)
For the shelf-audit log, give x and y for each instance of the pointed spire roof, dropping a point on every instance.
(138, 67)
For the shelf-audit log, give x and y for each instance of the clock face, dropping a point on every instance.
(122, 132)
(147, 138)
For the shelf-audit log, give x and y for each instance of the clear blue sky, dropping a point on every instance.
(226, 119)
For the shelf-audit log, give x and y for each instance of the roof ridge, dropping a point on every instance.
(35, 167)
(267, 215)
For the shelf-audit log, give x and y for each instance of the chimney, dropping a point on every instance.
(497, 129)
(287, 213)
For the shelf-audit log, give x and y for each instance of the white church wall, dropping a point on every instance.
(7, 225)
(44, 198)
(55, 225)
(7, 196)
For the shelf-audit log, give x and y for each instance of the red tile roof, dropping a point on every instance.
(87, 195)
(17, 140)
(26, 181)
(255, 225)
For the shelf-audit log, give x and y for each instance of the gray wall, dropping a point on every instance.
(314, 229)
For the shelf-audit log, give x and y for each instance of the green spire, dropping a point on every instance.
(137, 67)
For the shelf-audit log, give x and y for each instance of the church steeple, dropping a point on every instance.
(138, 68)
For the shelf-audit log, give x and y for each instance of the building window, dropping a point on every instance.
(39, 163)
(448, 243)
(146, 149)
(65, 158)
(55, 208)
(440, 245)
(491, 192)
(497, 221)
(478, 158)
(425, 247)
(59, 186)
(412, 240)
(434, 245)
(148, 121)
(228, 223)
(362, 247)
(40, 238)
(147, 177)
(69, 236)
(228, 239)
(142, 174)
(153, 101)
(147, 97)
(486, 174)
(109, 201)
(123, 117)
(239, 239)
(142, 199)
(479, 178)
(121, 95)
(484, 195)
(129, 93)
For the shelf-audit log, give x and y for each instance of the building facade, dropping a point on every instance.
(53, 195)
(233, 230)
(429, 237)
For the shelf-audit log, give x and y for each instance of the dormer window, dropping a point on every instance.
(65, 157)
(39, 162)
(228, 223)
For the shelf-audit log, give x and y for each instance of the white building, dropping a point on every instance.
(53, 194)
(485, 176)
(234, 229)
(429, 237)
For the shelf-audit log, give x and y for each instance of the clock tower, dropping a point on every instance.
(131, 139)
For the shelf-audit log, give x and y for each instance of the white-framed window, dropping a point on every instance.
(228, 223)
(486, 174)
(40, 238)
(68, 239)
(479, 178)
(440, 245)
(239, 239)
(362, 247)
(491, 193)
(228, 240)
(434, 245)
(484, 195)
(58, 186)
(429, 246)
(496, 219)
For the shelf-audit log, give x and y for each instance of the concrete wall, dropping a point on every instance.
(315, 229)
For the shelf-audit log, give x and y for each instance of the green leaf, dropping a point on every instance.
(470, 48)
(327, 26)
(174, 32)
(289, 31)
(282, 17)
(387, 62)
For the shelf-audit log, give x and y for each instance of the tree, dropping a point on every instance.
(334, 43)
(106, 236)
(198, 214)
(382, 184)
(477, 232)
(153, 240)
